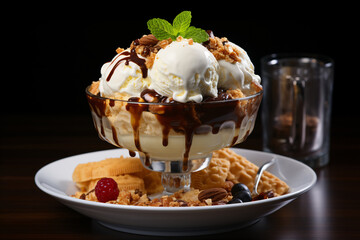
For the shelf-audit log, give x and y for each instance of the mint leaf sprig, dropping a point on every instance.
(162, 29)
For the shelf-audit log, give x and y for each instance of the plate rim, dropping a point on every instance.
(67, 198)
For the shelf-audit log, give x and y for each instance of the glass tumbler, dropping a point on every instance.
(297, 106)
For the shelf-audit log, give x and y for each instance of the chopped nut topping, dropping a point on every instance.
(164, 43)
(214, 194)
(119, 50)
(150, 60)
(94, 88)
(148, 46)
(221, 49)
(148, 40)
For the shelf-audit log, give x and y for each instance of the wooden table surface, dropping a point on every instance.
(331, 210)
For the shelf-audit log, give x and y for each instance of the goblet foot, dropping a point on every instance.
(173, 182)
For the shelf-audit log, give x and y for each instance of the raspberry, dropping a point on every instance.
(106, 190)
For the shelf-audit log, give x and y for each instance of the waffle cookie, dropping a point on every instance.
(213, 176)
(108, 167)
(125, 182)
(86, 175)
(243, 171)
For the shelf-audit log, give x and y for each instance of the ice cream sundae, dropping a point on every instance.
(176, 95)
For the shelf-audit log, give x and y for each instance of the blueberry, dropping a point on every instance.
(238, 187)
(242, 192)
(244, 196)
(234, 200)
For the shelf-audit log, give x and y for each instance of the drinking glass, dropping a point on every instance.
(297, 106)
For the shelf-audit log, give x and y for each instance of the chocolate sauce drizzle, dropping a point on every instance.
(132, 57)
(184, 118)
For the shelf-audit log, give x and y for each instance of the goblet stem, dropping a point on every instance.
(173, 176)
(173, 182)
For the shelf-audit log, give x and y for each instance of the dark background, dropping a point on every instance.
(58, 53)
(52, 52)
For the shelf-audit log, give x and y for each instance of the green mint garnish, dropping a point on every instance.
(162, 29)
(182, 21)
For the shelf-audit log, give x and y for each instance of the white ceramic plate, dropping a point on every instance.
(55, 179)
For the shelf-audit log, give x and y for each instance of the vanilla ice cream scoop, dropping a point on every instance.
(185, 71)
(126, 74)
(238, 75)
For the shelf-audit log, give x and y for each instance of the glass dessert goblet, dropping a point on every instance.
(171, 137)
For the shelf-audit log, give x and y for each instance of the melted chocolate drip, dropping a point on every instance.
(133, 57)
(185, 118)
(136, 112)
